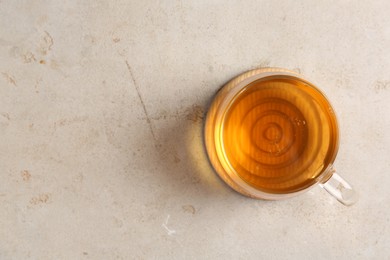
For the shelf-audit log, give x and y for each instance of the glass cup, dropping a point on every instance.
(271, 134)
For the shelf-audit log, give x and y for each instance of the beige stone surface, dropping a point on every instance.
(101, 115)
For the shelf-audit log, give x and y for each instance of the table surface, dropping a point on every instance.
(101, 115)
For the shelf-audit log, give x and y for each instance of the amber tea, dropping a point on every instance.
(278, 134)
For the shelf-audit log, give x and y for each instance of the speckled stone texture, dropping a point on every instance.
(101, 114)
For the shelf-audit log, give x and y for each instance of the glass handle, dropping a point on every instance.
(340, 189)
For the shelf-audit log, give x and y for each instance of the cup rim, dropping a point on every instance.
(215, 117)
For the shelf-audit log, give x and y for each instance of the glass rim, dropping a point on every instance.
(218, 110)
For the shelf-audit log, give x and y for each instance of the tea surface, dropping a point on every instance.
(279, 134)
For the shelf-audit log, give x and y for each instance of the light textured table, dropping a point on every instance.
(101, 116)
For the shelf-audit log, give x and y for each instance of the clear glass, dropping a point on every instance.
(340, 189)
(223, 159)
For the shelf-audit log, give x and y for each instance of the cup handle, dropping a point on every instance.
(340, 189)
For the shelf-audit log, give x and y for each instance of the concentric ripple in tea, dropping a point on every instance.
(277, 134)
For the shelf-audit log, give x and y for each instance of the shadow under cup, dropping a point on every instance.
(270, 134)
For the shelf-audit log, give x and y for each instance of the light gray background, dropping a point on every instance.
(101, 115)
